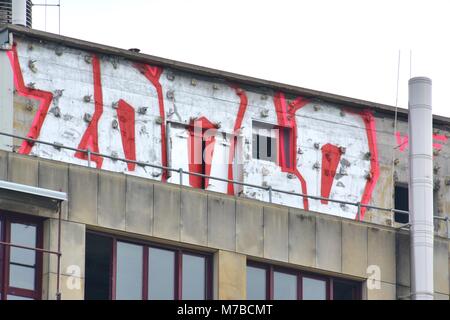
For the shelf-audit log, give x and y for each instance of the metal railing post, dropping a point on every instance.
(270, 194)
(359, 211)
(89, 156)
(181, 176)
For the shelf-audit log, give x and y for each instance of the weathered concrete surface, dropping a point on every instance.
(111, 200)
(231, 276)
(354, 249)
(276, 236)
(441, 266)
(83, 195)
(329, 244)
(139, 206)
(55, 176)
(166, 221)
(249, 228)
(23, 170)
(388, 291)
(302, 238)
(221, 222)
(194, 217)
(381, 252)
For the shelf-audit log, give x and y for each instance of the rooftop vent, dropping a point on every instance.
(16, 12)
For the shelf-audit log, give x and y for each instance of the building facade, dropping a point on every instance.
(229, 221)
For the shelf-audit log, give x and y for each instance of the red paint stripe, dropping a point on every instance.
(197, 130)
(286, 118)
(331, 156)
(370, 125)
(153, 74)
(44, 97)
(126, 116)
(90, 137)
(237, 126)
(440, 137)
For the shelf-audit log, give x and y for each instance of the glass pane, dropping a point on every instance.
(285, 286)
(193, 278)
(25, 236)
(98, 267)
(256, 283)
(314, 289)
(21, 277)
(11, 297)
(343, 291)
(161, 274)
(129, 272)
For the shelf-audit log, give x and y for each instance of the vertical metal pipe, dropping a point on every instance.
(359, 211)
(270, 194)
(89, 157)
(421, 188)
(58, 276)
(181, 176)
(19, 12)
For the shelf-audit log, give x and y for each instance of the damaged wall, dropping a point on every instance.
(147, 113)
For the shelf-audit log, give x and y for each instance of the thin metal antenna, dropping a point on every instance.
(396, 113)
(45, 4)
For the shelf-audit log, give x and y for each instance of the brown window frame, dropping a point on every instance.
(270, 269)
(178, 267)
(7, 218)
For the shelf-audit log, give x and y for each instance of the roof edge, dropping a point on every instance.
(214, 73)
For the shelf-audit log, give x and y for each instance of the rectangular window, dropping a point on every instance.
(20, 268)
(267, 282)
(140, 271)
(401, 203)
(272, 143)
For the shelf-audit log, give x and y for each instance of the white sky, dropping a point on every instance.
(344, 47)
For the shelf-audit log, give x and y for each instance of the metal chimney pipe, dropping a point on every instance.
(21, 12)
(421, 188)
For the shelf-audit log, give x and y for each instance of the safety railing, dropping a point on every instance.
(89, 154)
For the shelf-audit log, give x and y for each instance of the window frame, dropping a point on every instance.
(300, 274)
(288, 161)
(7, 218)
(178, 266)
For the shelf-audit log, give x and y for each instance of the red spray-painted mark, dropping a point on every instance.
(331, 156)
(237, 125)
(90, 137)
(45, 99)
(403, 142)
(126, 115)
(153, 74)
(200, 158)
(369, 123)
(286, 119)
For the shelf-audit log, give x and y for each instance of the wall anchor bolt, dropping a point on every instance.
(29, 106)
(32, 66)
(193, 82)
(58, 93)
(264, 113)
(158, 120)
(367, 156)
(56, 112)
(316, 166)
(32, 85)
(87, 117)
(87, 98)
(88, 59)
(170, 76)
(299, 151)
(59, 51)
(170, 95)
(115, 105)
(142, 110)
(342, 150)
(317, 145)
(397, 162)
(115, 124)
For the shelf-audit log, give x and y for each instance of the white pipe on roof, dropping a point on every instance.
(19, 12)
(421, 188)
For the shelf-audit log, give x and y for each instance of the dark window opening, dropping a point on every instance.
(267, 282)
(401, 203)
(98, 271)
(272, 143)
(122, 270)
(343, 290)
